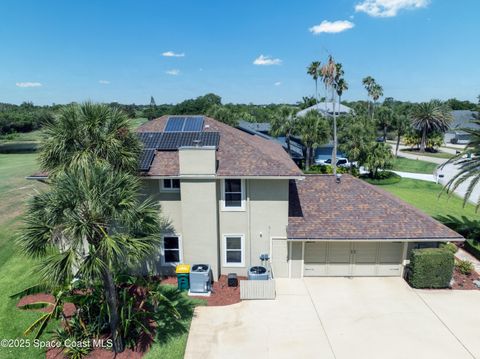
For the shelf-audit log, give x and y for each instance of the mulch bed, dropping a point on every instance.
(221, 295)
(465, 282)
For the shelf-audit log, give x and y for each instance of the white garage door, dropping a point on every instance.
(353, 259)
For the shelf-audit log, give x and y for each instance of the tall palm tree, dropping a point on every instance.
(314, 131)
(330, 78)
(401, 123)
(90, 223)
(385, 119)
(376, 92)
(314, 71)
(469, 166)
(283, 124)
(87, 133)
(368, 83)
(429, 116)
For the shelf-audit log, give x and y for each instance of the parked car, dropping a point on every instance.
(341, 162)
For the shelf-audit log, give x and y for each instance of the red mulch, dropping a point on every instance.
(68, 308)
(465, 282)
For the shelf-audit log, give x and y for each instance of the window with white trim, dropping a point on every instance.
(234, 250)
(169, 184)
(172, 253)
(233, 194)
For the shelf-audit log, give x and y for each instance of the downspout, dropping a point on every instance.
(249, 208)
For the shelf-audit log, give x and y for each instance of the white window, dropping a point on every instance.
(234, 250)
(169, 184)
(171, 249)
(233, 194)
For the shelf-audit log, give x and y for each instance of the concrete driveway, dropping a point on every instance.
(341, 318)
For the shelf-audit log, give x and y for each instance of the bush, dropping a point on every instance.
(324, 169)
(451, 247)
(473, 247)
(465, 267)
(383, 178)
(431, 268)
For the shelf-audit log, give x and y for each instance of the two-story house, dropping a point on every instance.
(230, 196)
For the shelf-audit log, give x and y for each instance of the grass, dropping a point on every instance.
(438, 154)
(416, 166)
(384, 178)
(33, 136)
(17, 271)
(137, 122)
(424, 196)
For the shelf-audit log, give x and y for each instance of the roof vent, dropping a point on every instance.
(338, 178)
(197, 143)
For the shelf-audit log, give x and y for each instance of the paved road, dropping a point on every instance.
(449, 171)
(412, 156)
(342, 318)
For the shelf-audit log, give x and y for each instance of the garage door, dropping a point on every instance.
(353, 259)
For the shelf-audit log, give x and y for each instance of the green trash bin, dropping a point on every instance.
(183, 273)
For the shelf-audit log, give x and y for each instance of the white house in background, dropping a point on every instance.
(326, 109)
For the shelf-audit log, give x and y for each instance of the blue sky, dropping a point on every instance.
(63, 51)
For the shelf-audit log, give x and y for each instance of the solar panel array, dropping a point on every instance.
(171, 141)
(184, 124)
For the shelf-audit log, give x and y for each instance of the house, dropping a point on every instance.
(230, 196)
(461, 119)
(326, 109)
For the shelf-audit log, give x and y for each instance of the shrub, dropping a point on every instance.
(383, 178)
(325, 169)
(465, 267)
(473, 247)
(451, 247)
(431, 268)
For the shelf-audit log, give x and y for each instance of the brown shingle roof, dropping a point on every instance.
(239, 153)
(320, 208)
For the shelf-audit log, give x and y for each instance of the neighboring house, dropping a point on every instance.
(326, 109)
(262, 129)
(461, 119)
(230, 196)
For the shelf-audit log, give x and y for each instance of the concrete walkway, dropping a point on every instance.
(417, 176)
(413, 156)
(341, 318)
(465, 256)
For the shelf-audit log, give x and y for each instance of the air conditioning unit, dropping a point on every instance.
(201, 278)
(258, 273)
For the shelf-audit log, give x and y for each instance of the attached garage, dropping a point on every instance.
(353, 259)
(347, 227)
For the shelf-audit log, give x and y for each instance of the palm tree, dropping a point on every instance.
(91, 224)
(314, 71)
(283, 124)
(314, 131)
(376, 93)
(330, 78)
(88, 133)
(468, 165)
(401, 123)
(429, 116)
(385, 119)
(368, 83)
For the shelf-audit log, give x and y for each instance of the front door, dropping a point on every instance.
(279, 257)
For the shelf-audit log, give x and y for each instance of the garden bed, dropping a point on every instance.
(221, 295)
(464, 281)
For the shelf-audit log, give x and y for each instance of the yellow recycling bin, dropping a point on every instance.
(183, 271)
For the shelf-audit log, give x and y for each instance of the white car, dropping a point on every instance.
(341, 162)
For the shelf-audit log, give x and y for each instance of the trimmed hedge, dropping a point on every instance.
(473, 247)
(384, 178)
(431, 268)
(18, 147)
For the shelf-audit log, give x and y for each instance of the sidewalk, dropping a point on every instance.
(417, 176)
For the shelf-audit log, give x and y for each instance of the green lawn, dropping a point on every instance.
(22, 137)
(424, 196)
(18, 272)
(416, 166)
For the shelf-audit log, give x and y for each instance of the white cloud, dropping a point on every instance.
(173, 54)
(266, 61)
(28, 84)
(173, 72)
(104, 82)
(278, 83)
(388, 8)
(331, 27)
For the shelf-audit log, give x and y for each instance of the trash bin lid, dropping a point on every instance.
(182, 268)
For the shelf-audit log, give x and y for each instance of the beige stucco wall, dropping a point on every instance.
(195, 213)
(265, 216)
(197, 161)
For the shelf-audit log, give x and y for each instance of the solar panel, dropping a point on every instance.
(175, 124)
(193, 124)
(172, 141)
(146, 159)
(150, 139)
